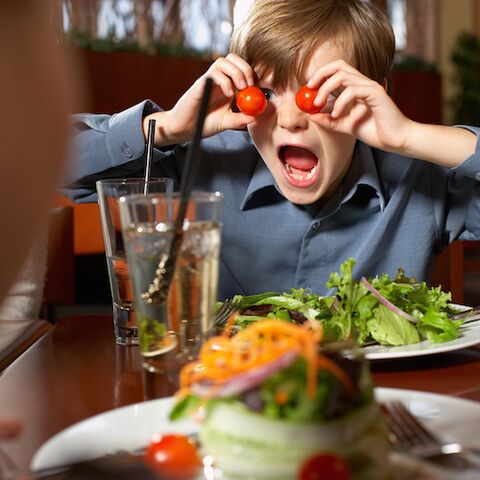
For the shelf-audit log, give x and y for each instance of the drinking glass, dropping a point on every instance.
(174, 328)
(109, 192)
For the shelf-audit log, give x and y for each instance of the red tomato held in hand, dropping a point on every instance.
(304, 99)
(173, 456)
(324, 466)
(251, 101)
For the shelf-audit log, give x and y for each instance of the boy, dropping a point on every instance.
(303, 192)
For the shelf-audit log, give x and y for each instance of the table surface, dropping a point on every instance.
(76, 371)
(16, 336)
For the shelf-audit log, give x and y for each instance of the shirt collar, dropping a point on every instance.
(262, 188)
(362, 171)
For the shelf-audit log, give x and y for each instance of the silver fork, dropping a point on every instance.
(472, 315)
(225, 311)
(408, 434)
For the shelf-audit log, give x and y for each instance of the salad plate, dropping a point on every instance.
(391, 318)
(469, 336)
(132, 427)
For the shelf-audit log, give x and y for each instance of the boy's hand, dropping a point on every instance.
(178, 125)
(362, 107)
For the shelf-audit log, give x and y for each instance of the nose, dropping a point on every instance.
(289, 116)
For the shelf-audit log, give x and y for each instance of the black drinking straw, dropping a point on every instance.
(193, 157)
(158, 289)
(148, 164)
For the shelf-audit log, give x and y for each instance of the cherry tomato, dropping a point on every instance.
(304, 99)
(173, 456)
(324, 466)
(251, 101)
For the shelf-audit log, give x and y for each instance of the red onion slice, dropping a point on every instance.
(385, 302)
(246, 380)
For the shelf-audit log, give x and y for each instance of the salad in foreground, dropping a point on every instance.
(276, 404)
(401, 311)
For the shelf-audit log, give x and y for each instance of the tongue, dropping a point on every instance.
(299, 158)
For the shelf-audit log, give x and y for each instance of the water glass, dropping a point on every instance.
(175, 326)
(109, 192)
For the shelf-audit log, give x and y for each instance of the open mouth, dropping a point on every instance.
(300, 165)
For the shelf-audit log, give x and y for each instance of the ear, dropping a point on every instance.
(386, 84)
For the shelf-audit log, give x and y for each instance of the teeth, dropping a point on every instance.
(300, 177)
(312, 172)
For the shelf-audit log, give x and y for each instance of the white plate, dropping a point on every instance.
(470, 335)
(132, 427)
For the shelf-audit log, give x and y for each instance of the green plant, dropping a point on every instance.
(412, 62)
(466, 61)
(111, 43)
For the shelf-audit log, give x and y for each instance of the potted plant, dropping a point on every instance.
(466, 61)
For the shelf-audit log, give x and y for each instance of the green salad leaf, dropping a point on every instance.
(388, 328)
(185, 407)
(403, 311)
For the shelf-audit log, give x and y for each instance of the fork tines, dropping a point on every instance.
(409, 435)
(227, 308)
(407, 431)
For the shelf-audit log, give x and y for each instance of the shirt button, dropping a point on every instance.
(316, 225)
(477, 176)
(128, 153)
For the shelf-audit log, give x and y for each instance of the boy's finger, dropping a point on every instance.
(351, 95)
(336, 84)
(224, 82)
(232, 70)
(244, 67)
(237, 121)
(329, 70)
(343, 106)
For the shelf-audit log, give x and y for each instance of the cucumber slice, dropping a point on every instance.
(247, 445)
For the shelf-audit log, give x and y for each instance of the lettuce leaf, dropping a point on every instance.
(388, 328)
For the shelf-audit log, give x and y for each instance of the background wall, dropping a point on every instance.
(455, 16)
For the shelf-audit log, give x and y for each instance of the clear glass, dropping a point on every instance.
(109, 192)
(178, 325)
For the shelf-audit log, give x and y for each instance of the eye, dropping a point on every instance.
(269, 95)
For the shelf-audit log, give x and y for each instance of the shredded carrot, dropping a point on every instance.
(223, 357)
(261, 343)
(281, 397)
(232, 320)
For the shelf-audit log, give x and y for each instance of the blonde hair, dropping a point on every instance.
(279, 36)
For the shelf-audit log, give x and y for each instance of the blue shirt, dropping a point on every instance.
(389, 212)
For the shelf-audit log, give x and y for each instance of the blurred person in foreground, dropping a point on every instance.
(35, 97)
(305, 191)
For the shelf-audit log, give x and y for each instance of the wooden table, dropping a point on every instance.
(16, 336)
(76, 371)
